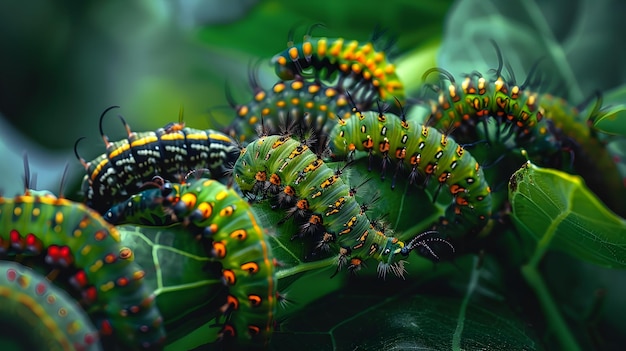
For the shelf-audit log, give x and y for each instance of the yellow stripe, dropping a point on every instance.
(99, 168)
(173, 136)
(197, 136)
(220, 137)
(119, 150)
(145, 140)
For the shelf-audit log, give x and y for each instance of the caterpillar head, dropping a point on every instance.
(389, 261)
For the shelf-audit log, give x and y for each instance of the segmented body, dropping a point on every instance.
(171, 152)
(58, 235)
(42, 315)
(549, 129)
(302, 106)
(571, 130)
(424, 152)
(143, 208)
(318, 199)
(359, 68)
(462, 106)
(218, 214)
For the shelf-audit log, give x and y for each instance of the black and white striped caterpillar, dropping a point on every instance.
(170, 152)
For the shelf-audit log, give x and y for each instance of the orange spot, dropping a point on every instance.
(251, 267)
(126, 253)
(219, 249)
(189, 199)
(100, 235)
(253, 329)
(255, 300)
(205, 209)
(239, 234)
(229, 276)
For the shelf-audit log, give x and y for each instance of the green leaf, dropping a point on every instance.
(188, 285)
(556, 210)
(613, 114)
(383, 315)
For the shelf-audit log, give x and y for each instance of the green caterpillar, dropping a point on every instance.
(35, 313)
(317, 198)
(143, 208)
(361, 70)
(424, 152)
(311, 106)
(60, 235)
(216, 212)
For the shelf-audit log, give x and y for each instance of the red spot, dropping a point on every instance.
(79, 279)
(90, 295)
(253, 330)
(16, 240)
(122, 281)
(11, 274)
(90, 339)
(106, 328)
(66, 255)
(33, 244)
(148, 301)
(14, 235)
(40, 289)
(53, 254)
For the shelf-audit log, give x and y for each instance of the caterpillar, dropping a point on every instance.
(143, 208)
(312, 193)
(521, 111)
(310, 106)
(476, 99)
(426, 153)
(545, 126)
(170, 152)
(71, 241)
(217, 213)
(38, 315)
(569, 127)
(361, 69)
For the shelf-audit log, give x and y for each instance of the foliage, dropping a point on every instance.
(550, 273)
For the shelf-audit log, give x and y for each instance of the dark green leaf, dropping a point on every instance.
(382, 315)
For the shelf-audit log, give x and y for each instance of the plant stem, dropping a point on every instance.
(550, 309)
